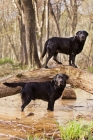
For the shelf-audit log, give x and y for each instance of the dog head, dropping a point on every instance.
(81, 35)
(60, 80)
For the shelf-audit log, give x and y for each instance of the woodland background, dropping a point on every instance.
(26, 25)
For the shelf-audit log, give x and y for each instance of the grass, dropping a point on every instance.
(5, 61)
(37, 138)
(90, 69)
(31, 138)
(74, 130)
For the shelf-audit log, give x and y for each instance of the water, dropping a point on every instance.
(36, 120)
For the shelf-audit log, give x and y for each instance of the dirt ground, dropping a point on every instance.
(36, 120)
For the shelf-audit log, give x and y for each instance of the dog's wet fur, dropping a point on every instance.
(70, 46)
(48, 91)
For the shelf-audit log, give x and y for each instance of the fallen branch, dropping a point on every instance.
(77, 78)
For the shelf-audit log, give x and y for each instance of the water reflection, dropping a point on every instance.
(36, 115)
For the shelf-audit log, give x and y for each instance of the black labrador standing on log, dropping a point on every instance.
(49, 91)
(70, 46)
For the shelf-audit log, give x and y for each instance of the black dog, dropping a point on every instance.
(70, 46)
(48, 91)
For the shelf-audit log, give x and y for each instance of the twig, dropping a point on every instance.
(6, 135)
(23, 125)
(12, 122)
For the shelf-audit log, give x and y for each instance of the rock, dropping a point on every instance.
(69, 93)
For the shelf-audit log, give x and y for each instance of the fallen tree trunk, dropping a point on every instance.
(77, 78)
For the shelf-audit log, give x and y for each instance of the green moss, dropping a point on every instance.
(90, 69)
(5, 61)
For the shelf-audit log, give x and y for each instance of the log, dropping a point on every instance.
(69, 93)
(77, 78)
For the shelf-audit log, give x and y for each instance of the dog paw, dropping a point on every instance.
(50, 109)
(46, 67)
(59, 63)
(73, 65)
(22, 109)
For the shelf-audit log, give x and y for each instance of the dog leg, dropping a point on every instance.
(72, 58)
(25, 103)
(47, 59)
(55, 58)
(51, 105)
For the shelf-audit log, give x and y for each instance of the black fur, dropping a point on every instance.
(48, 91)
(70, 46)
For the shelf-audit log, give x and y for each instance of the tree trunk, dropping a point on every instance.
(40, 25)
(74, 17)
(47, 19)
(29, 19)
(77, 78)
(55, 19)
(23, 49)
(72, 14)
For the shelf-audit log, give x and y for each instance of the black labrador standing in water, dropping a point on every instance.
(70, 46)
(49, 91)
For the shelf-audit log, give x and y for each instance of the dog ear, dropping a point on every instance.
(86, 33)
(65, 76)
(77, 33)
(54, 78)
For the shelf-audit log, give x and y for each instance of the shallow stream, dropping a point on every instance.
(36, 120)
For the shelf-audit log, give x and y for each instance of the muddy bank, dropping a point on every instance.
(36, 120)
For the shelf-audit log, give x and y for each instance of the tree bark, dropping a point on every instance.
(40, 25)
(47, 19)
(23, 50)
(55, 19)
(77, 78)
(30, 26)
(72, 14)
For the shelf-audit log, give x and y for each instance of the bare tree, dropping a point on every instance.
(55, 18)
(30, 26)
(47, 19)
(23, 49)
(72, 13)
(39, 24)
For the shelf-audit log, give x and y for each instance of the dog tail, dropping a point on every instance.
(45, 49)
(13, 85)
